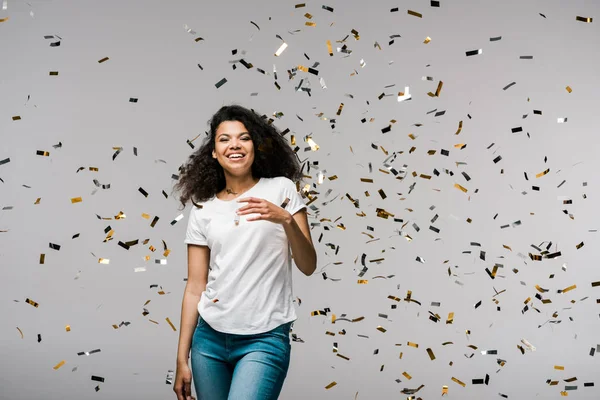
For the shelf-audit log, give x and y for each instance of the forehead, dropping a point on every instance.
(231, 127)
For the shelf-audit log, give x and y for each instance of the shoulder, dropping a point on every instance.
(199, 208)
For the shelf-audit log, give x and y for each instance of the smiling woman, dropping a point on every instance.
(247, 220)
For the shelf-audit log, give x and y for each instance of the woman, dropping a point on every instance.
(237, 306)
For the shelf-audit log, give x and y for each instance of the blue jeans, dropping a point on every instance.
(228, 366)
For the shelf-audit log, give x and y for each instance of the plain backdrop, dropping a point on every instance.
(527, 203)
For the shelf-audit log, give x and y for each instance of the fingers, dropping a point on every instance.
(188, 390)
(178, 392)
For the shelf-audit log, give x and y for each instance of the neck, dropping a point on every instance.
(235, 185)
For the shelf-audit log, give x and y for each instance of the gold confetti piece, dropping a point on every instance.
(437, 91)
(381, 329)
(411, 344)
(76, 200)
(105, 261)
(329, 48)
(542, 173)
(309, 23)
(42, 153)
(170, 323)
(559, 367)
(427, 40)
(458, 381)
(281, 49)
(4, 19)
(564, 393)
(33, 303)
(460, 123)
(415, 14)
(68, 328)
(102, 60)
(313, 145)
(60, 364)
(406, 375)
(20, 331)
(362, 281)
(569, 89)
(42, 258)
(300, 5)
(578, 18)
(540, 289)
(456, 185)
(569, 288)
(332, 384)
(444, 390)
(450, 318)
(431, 355)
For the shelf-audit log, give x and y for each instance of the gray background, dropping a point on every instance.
(154, 59)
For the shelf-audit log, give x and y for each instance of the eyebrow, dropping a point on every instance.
(239, 134)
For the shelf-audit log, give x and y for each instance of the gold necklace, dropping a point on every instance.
(236, 219)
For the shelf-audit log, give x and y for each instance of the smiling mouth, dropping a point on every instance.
(236, 158)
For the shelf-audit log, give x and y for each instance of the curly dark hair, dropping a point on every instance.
(202, 177)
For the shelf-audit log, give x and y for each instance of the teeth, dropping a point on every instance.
(236, 156)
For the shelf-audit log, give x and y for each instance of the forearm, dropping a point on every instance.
(189, 320)
(303, 250)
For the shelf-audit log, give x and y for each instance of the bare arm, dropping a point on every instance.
(298, 233)
(198, 260)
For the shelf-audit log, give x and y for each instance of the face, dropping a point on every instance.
(232, 137)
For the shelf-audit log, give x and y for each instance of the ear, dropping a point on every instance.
(213, 154)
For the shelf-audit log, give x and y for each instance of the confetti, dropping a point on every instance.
(221, 83)
(280, 50)
(474, 52)
(60, 364)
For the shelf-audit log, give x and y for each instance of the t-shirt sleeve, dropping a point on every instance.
(195, 231)
(295, 202)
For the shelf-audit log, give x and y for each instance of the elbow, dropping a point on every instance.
(313, 264)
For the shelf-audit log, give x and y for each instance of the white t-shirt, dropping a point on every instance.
(249, 287)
